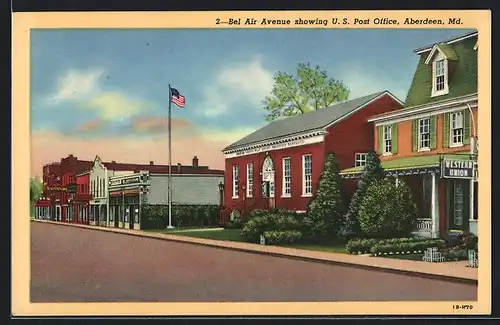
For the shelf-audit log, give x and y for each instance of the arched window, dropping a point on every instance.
(268, 165)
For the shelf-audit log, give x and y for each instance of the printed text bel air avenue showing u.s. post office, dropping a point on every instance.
(378, 21)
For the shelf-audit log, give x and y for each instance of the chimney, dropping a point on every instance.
(179, 167)
(195, 161)
(70, 155)
(113, 161)
(151, 163)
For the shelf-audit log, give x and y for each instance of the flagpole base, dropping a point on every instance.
(170, 227)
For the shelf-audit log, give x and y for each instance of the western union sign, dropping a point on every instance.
(463, 169)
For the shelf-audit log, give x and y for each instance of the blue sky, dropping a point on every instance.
(102, 84)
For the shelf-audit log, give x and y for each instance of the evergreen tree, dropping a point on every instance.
(373, 171)
(324, 215)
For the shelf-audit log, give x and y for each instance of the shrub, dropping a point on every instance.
(325, 212)
(406, 246)
(365, 246)
(234, 224)
(362, 246)
(156, 216)
(387, 210)
(272, 221)
(468, 240)
(282, 237)
(372, 171)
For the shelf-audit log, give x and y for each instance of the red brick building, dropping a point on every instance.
(57, 177)
(280, 164)
(81, 199)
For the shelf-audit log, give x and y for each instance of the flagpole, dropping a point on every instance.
(169, 158)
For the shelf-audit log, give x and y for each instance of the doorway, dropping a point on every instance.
(268, 180)
(458, 202)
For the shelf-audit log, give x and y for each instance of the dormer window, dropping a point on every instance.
(440, 57)
(439, 75)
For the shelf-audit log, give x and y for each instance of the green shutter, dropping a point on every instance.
(446, 130)
(394, 140)
(466, 139)
(415, 134)
(449, 197)
(380, 130)
(467, 201)
(432, 130)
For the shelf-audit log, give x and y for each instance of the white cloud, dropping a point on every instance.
(363, 82)
(244, 83)
(225, 135)
(74, 84)
(116, 106)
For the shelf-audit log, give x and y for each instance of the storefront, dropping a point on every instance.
(126, 196)
(443, 187)
(461, 194)
(42, 209)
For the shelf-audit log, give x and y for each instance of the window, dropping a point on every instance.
(424, 134)
(439, 75)
(93, 188)
(457, 128)
(287, 177)
(235, 181)
(98, 187)
(360, 160)
(387, 138)
(307, 175)
(475, 209)
(249, 179)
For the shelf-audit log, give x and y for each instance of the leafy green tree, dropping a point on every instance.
(310, 90)
(36, 191)
(324, 215)
(387, 210)
(373, 171)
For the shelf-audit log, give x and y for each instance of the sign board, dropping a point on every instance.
(462, 169)
(71, 188)
(271, 147)
(131, 180)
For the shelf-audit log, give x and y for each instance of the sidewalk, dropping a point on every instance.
(450, 271)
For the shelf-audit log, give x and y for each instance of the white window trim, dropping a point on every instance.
(235, 182)
(283, 187)
(385, 153)
(304, 194)
(250, 180)
(445, 90)
(451, 143)
(360, 154)
(420, 148)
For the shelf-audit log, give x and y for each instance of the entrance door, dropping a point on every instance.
(268, 179)
(459, 205)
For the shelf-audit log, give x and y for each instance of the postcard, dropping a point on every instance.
(251, 163)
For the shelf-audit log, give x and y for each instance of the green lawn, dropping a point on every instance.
(176, 229)
(235, 235)
(217, 234)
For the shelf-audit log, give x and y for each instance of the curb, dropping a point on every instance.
(214, 244)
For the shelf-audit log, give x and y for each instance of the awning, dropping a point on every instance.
(409, 165)
(42, 203)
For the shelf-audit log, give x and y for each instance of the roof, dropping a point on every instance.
(421, 161)
(448, 41)
(462, 78)
(313, 121)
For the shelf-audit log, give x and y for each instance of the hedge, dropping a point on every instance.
(282, 237)
(365, 246)
(271, 221)
(156, 216)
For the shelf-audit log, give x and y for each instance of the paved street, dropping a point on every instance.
(79, 265)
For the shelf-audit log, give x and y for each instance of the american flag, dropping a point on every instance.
(177, 98)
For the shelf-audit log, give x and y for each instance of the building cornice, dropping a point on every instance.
(276, 144)
(435, 108)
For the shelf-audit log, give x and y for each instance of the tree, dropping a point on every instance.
(324, 215)
(387, 210)
(36, 190)
(373, 171)
(310, 90)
